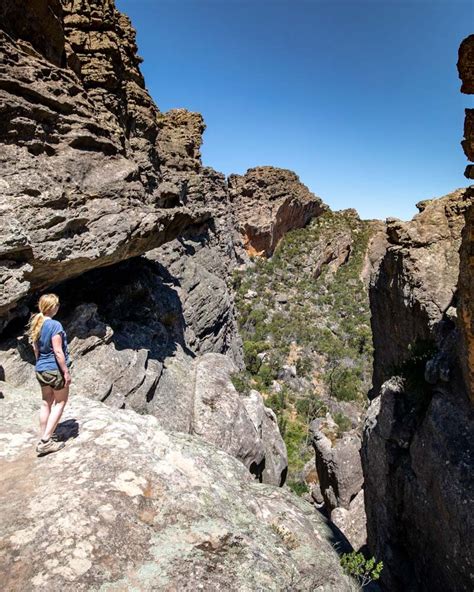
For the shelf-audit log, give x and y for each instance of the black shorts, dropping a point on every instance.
(52, 378)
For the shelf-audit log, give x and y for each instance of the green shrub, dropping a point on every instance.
(363, 570)
(343, 383)
(266, 374)
(304, 366)
(343, 423)
(296, 446)
(251, 351)
(310, 407)
(241, 382)
(298, 487)
(277, 402)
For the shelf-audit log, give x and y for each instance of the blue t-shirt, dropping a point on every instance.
(46, 359)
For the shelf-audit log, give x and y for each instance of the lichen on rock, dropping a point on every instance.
(191, 515)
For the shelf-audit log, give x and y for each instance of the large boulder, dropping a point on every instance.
(340, 478)
(352, 521)
(337, 463)
(128, 505)
(275, 464)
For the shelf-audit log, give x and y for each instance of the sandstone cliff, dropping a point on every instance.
(268, 202)
(79, 165)
(418, 437)
(466, 275)
(413, 294)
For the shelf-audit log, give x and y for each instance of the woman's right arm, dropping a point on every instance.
(57, 343)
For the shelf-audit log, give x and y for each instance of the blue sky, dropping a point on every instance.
(360, 98)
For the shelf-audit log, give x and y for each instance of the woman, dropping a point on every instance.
(52, 360)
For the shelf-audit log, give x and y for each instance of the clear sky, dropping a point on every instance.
(360, 98)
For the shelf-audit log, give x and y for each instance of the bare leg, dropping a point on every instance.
(46, 404)
(60, 400)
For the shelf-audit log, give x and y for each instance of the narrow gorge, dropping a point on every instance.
(260, 384)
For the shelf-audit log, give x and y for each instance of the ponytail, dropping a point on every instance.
(47, 305)
(34, 328)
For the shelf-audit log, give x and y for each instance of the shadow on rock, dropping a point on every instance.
(67, 430)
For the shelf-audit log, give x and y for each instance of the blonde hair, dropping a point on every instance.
(46, 304)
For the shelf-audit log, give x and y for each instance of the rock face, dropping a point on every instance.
(275, 464)
(131, 351)
(466, 300)
(340, 477)
(352, 521)
(268, 202)
(416, 283)
(418, 487)
(466, 273)
(338, 464)
(79, 165)
(466, 74)
(191, 515)
(418, 438)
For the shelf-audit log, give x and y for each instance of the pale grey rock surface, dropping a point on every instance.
(352, 521)
(340, 478)
(337, 463)
(136, 361)
(191, 515)
(275, 465)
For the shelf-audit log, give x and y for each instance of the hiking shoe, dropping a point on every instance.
(51, 445)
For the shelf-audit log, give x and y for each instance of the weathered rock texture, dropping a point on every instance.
(466, 74)
(418, 438)
(337, 463)
(466, 300)
(127, 505)
(466, 274)
(414, 288)
(418, 487)
(131, 351)
(268, 202)
(340, 478)
(275, 464)
(79, 166)
(352, 521)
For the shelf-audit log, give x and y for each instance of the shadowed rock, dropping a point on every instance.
(128, 336)
(418, 438)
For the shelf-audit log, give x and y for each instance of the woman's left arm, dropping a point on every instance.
(36, 350)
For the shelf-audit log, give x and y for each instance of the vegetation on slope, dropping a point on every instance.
(304, 320)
